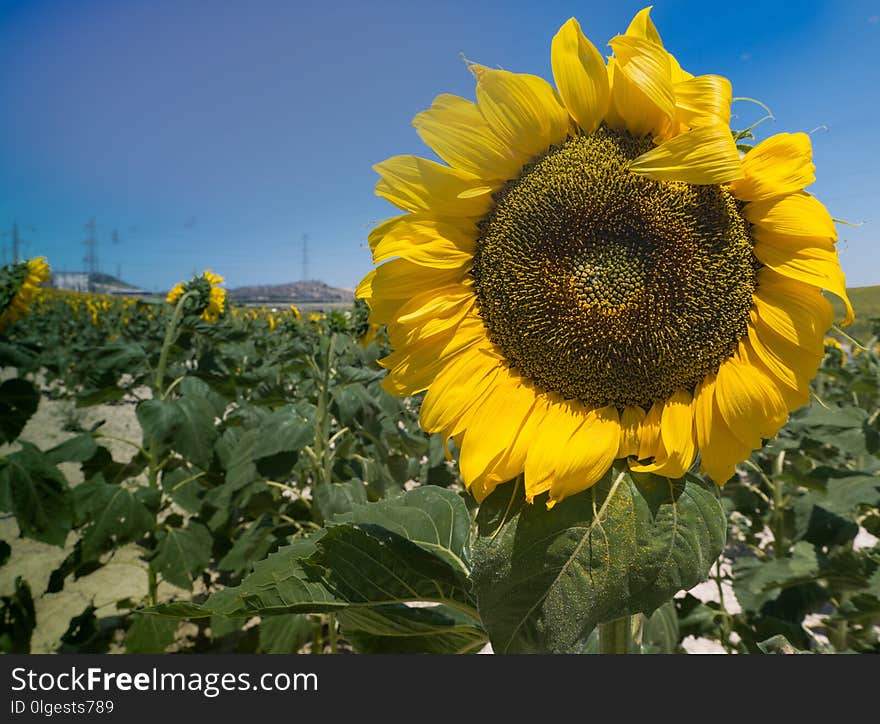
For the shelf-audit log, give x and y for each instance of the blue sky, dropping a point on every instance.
(216, 134)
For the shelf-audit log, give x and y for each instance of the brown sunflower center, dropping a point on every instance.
(609, 287)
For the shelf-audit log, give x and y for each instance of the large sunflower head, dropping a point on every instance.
(205, 297)
(596, 272)
(19, 284)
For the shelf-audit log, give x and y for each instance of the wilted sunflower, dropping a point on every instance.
(597, 273)
(19, 283)
(207, 299)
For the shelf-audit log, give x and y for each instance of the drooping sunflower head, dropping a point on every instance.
(19, 284)
(205, 298)
(597, 273)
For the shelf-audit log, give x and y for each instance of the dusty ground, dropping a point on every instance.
(124, 576)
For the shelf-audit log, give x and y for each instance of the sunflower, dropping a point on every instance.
(207, 300)
(19, 283)
(596, 273)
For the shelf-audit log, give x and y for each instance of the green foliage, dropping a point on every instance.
(546, 579)
(277, 499)
(18, 402)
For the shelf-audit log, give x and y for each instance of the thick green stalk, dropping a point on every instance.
(170, 330)
(322, 423)
(615, 637)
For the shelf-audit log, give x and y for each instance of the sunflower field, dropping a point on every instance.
(586, 402)
(275, 499)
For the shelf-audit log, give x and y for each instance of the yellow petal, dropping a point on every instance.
(794, 396)
(457, 132)
(383, 228)
(649, 433)
(797, 214)
(646, 65)
(429, 242)
(813, 263)
(492, 433)
(643, 27)
(452, 392)
(749, 402)
(780, 165)
(796, 311)
(703, 100)
(522, 110)
(706, 155)
(630, 423)
(720, 449)
(417, 184)
(588, 454)
(580, 75)
(676, 447)
(558, 424)
(391, 285)
(787, 362)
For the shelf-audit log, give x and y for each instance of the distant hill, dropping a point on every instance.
(866, 302)
(305, 291)
(77, 281)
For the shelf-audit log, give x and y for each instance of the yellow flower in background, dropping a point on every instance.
(294, 310)
(596, 273)
(208, 298)
(832, 344)
(19, 284)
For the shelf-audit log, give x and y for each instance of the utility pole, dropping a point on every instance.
(305, 260)
(91, 257)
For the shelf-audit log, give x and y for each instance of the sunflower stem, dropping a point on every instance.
(158, 393)
(615, 637)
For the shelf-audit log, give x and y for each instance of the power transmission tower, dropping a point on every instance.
(91, 257)
(16, 242)
(305, 272)
(116, 240)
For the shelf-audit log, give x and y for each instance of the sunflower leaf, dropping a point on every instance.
(545, 579)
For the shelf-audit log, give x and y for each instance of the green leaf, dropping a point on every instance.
(367, 565)
(17, 619)
(158, 419)
(286, 430)
(779, 645)
(250, 546)
(195, 436)
(236, 453)
(660, 634)
(433, 518)
(399, 629)
(185, 425)
(336, 499)
(19, 400)
(545, 578)
(150, 634)
(112, 516)
(757, 582)
(285, 634)
(195, 388)
(77, 449)
(410, 548)
(277, 585)
(37, 494)
(182, 554)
